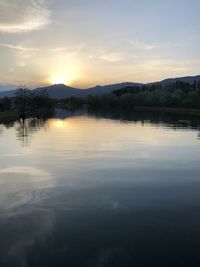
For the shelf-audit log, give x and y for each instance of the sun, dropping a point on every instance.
(59, 80)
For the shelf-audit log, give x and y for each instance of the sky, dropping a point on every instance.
(84, 43)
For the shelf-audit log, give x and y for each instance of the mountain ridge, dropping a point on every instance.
(60, 91)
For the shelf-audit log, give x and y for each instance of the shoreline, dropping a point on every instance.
(195, 112)
(11, 116)
(8, 116)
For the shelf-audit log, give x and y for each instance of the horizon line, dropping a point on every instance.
(32, 87)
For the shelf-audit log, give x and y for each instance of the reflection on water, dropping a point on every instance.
(25, 129)
(172, 120)
(22, 184)
(100, 190)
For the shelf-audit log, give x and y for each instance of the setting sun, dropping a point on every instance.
(59, 80)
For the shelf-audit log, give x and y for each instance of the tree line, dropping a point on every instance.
(175, 95)
(27, 103)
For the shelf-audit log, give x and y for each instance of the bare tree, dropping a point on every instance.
(21, 101)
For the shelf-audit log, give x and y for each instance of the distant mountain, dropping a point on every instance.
(61, 91)
(7, 90)
(187, 79)
(10, 93)
(99, 90)
(7, 87)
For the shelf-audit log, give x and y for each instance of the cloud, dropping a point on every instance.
(58, 49)
(140, 45)
(18, 16)
(167, 64)
(73, 49)
(144, 46)
(17, 47)
(25, 51)
(112, 57)
(23, 47)
(21, 53)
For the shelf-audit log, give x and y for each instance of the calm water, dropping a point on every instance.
(87, 191)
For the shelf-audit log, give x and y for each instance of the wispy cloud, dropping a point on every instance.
(71, 49)
(17, 47)
(112, 57)
(167, 64)
(24, 51)
(18, 16)
(137, 44)
(141, 45)
(21, 53)
(58, 49)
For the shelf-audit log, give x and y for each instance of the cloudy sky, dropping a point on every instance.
(89, 42)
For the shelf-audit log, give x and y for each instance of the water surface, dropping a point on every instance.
(94, 191)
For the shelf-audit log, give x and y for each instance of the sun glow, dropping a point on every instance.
(59, 80)
(58, 123)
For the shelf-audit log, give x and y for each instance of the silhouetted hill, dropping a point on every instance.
(61, 91)
(10, 93)
(99, 90)
(187, 79)
(7, 87)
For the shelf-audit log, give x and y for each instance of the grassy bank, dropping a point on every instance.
(8, 116)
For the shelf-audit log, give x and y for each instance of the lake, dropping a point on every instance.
(100, 190)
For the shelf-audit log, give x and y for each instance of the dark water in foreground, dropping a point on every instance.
(87, 191)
